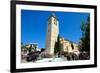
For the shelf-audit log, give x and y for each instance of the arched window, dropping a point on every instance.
(55, 21)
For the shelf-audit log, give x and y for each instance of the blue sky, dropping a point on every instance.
(34, 26)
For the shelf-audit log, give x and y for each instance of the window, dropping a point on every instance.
(55, 22)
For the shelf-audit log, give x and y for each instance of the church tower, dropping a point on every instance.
(52, 33)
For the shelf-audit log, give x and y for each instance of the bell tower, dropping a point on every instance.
(52, 33)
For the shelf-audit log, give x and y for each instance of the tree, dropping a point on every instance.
(29, 49)
(57, 46)
(42, 49)
(72, 45)
(85, 39)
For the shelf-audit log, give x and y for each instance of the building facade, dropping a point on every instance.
(68, 46)
(51, 38)
(52, 33)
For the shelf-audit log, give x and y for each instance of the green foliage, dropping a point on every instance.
(72, 45)
(85, 40)
(57, 46)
